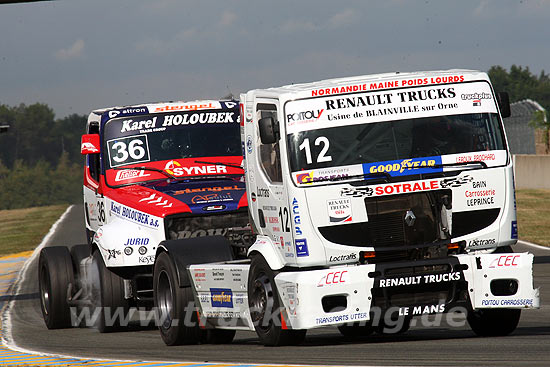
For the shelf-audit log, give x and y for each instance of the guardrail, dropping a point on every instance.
(532, 171)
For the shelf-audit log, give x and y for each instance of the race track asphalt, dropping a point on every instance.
(440, 345)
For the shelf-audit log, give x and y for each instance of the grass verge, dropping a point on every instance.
(23, 229)
(533, 208)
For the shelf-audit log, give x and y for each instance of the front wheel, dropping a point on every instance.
(176, 310)
(265, 308)
(55, 273)
(494, 322)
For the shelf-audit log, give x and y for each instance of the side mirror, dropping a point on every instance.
(269, 130)
(90, 144)
(503, 101)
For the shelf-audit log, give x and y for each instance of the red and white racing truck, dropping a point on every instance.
(375, 199)
(163, 175)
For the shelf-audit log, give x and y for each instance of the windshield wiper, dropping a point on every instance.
(387, 177)
(143, 168)
(458, 164)
(220, 164)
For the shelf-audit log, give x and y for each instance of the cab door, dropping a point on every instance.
(269, 203)
(94, 204)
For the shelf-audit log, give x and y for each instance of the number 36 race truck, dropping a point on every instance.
(156, 176)
(375, 199)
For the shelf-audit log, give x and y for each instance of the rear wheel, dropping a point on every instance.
(265, 308)
(55, 273)
(177, 313)
(494, 322)
(108, 293)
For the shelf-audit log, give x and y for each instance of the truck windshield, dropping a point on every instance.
(183, 144)
(395, 133)
(394, 140)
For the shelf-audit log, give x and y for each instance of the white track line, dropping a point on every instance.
(534, 245)
(7, 338)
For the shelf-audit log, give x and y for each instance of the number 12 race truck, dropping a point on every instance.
(156, 176)
(375, 199)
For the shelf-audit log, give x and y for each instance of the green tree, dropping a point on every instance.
(521, 84)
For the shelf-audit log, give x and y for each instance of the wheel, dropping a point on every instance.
(494, 322)
(177, 313)
(55, 273)
(356, 330)
(108, 293)
(218, 336)
(265, 308)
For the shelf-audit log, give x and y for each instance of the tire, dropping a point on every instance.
(356, 330)
(172, 303)
(494, 322)
(78, 253)
(263, 300)
(108, 292)
(218, 336)
(55, 273)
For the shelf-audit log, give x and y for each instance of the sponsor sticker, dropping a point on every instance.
(128, 174)
(505, 261)
(339, 210)
(403, 167)
(507, 302)
(420, 279)
(482, 242)
(149, 259)
(301, 248)
(221, 297)
(137, 241)
(297, 220)
(342, 318)
(249, 144)
(333, 277)
(189, 106)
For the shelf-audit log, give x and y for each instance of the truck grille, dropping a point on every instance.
(233, 226)
(387, 225)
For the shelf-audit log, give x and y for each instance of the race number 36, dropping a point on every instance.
(128, 150)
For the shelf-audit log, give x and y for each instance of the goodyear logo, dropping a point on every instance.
(221, 297)
(405, 167)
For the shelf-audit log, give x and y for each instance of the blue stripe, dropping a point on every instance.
(33, 357)
(13, 260)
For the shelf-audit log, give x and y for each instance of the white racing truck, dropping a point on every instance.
(155, 174)
(374, 199)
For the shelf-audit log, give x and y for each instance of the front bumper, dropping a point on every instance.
(347, 294)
